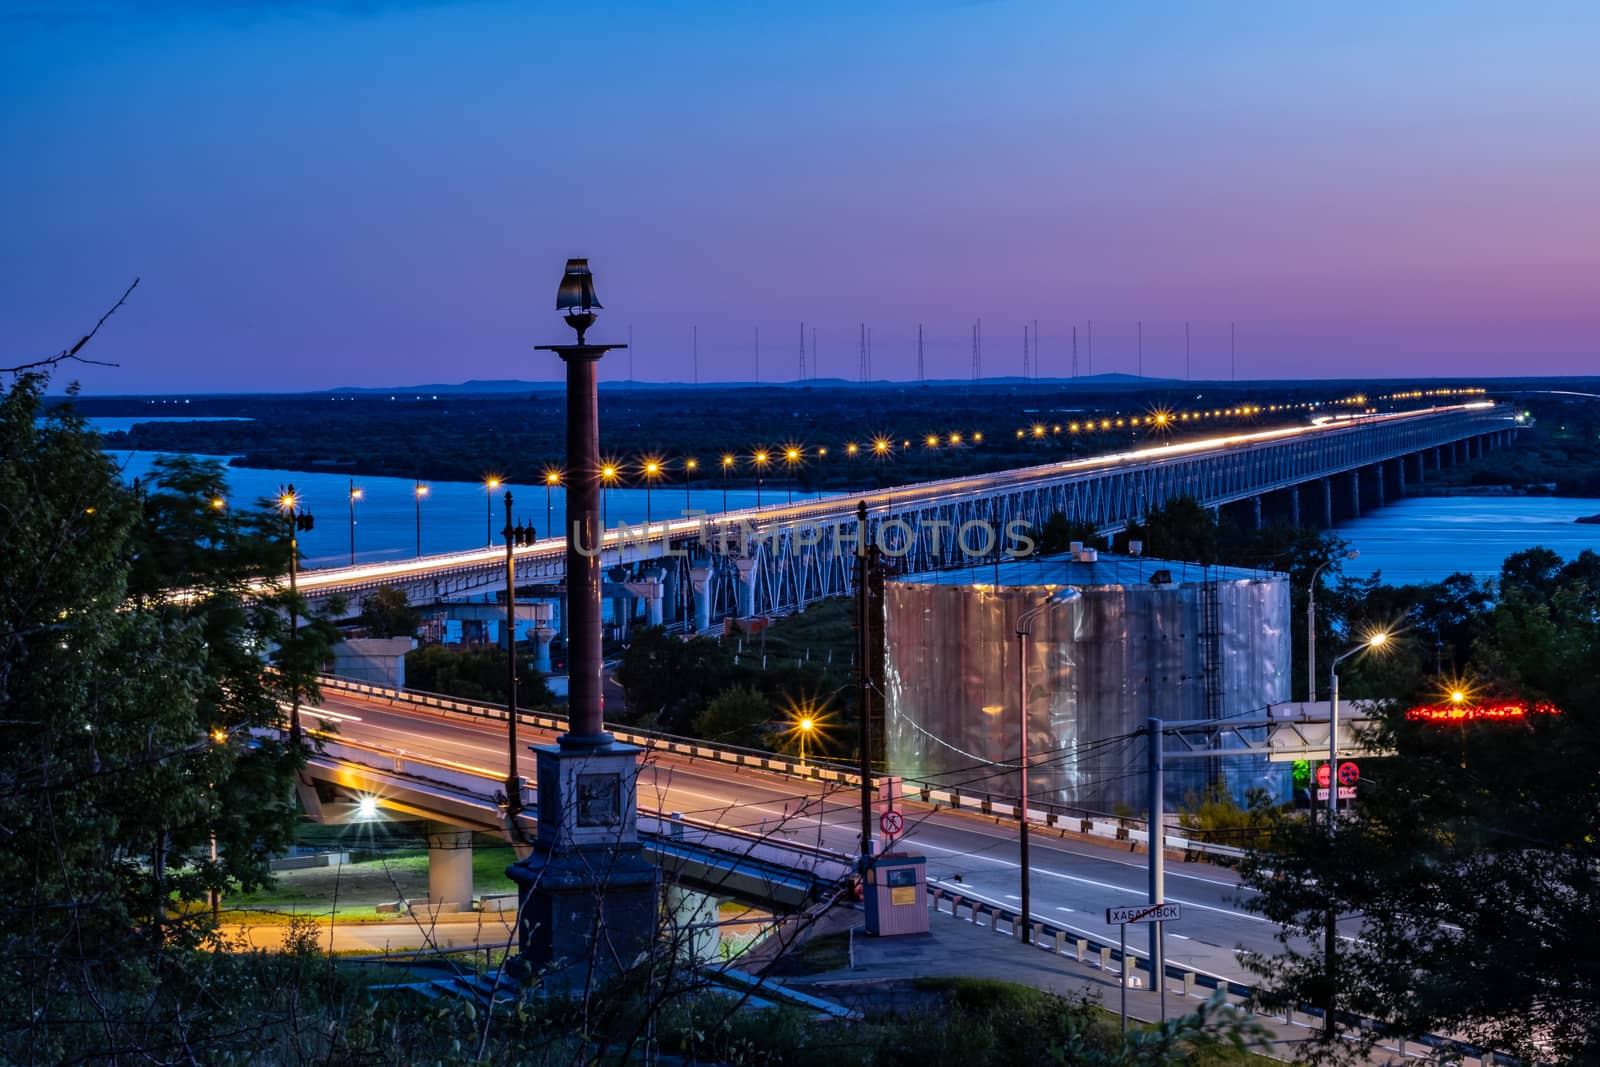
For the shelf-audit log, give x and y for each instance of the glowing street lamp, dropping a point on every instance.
(850, 451)
(491, 482)
(1330, 935)
(652, 471)
(761, 466)
(608, 478)
(690, 465)
(420, 491)
(355, 494)
(298, 519)
(822, 454)
(791, 456)
(727, 463)
(552, 478)
(880, 451)
(804, 726)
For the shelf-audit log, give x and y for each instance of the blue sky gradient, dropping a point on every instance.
(323, 194)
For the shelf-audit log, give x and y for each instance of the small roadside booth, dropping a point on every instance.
(895, 896)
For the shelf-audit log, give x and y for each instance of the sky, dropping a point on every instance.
(316, 193)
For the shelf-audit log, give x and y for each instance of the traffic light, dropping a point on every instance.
(304, 521)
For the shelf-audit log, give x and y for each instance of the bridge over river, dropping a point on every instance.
(697, 569)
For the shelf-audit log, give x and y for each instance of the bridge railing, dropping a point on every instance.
(1062, 818)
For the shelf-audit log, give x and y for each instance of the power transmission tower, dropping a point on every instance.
(1025, 374)
(1186, 351)
(1233, 355)
(862, 369)
(1074, 350)
(814, 374)
(802, 375)
(697, 355)
(973, 369)
(758, 355)
(1141, 348)
(1036, 355)
(1089, 344)
(920, 377)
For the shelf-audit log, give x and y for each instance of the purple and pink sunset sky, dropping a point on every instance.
(332, 193)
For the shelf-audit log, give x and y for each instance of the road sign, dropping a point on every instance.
(1346, 792)
(1349, 774)
(1142, 913)
(1324, 775)
(891, 823)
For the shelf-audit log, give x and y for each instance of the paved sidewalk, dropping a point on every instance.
(958, 948)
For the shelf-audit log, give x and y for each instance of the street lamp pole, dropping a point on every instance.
(1330, 933)
(1024, 631)
(490, 484)
(420, 491)
(689, 467)
(1311, 625)
(355, 494)
(550, 479)
(513, 779)
(727, 461)
(761, 465)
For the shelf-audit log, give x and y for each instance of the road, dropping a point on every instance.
(1074, 880)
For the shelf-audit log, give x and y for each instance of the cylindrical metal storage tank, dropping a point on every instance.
(1204, 643)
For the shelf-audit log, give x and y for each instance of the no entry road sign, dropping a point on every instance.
(891, 823)
(1142, 913)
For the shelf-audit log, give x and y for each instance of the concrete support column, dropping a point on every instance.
(746, 567)
(670, 582)
(1377, 476)
(1294, 505)
(653, 601)
(622, 615)
(1421, 467)
(1400, 477)
(1355, 492)
(1438, 459)
(700, 582)
(1327, 503)
(1255, 512)
(449, 867)
(542, 636)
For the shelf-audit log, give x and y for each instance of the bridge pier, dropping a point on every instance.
(1327, 503)
(1377, 479)
(746, 566)
(543, 634)
(1400, 477)
(1255, 512)
(449, 866)
(1292, 497)
(1355, 493)
(700, 583)
(693, 916)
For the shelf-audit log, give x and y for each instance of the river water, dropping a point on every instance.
(1420, 539)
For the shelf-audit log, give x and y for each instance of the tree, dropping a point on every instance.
(475, 674)
(668, 681)
(1471, 857)
(1180, 529)
(387, 612)
(738, 716)
(1058, 533)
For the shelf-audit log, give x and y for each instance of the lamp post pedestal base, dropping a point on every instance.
(587, 896)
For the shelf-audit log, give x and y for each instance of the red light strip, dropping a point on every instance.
(1478, 712)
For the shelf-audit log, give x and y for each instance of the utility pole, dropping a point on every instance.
(1156, 842)
(513, 779)
(866, 575)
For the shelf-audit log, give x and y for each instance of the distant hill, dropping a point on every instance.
(500, 386)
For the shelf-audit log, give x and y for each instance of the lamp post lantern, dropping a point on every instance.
(690, 465)
(652, 471)
(298, 518)
(850, 451)
(727, 462)
(586, 894)
(791, 457)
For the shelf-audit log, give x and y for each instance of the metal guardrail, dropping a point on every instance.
(1061, 940)
(1108, 827)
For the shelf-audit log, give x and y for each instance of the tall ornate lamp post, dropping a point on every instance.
(761, 466)
(791, 457)
(652, 471)
(298, 519)
(587, 894)
(727, 463)
(690, 465)
(850, 451)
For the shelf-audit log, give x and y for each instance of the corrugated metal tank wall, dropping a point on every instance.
(1098, 667)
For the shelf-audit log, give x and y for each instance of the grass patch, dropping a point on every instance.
(817, 955)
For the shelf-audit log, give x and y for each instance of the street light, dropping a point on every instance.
(1330, 936)
(652, 471)
(608, 478)
(298, 519)
(850, 451)
(420, 491)
(1311, 625)
(690, 465)
(822, 454)
(1024, 631)
(761, 466)
(355, 494)
(791, 456)
(880, 450)
(552, 478)
(804, 727)
(491, 482)
(727, 462)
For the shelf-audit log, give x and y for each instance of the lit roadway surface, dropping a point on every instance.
(1073, 880)
(841, 506)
